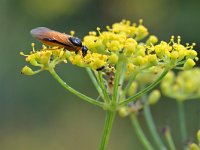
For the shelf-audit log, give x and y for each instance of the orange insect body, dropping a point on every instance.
(54, 38)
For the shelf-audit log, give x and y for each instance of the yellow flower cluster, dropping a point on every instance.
(122, 37)
(50, 57)
(93, 60)
(184, 86)
(45, 58)
(121, 42)
(175, 54)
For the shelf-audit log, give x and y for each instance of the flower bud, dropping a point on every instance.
(154, 97)
(174, 55)
(27, 71)
(142, 32)
(189, 64)
(133, 89)
(152, 59)
(152, 40)
(123, 112)
(113, 59)
(192, 54)
(45, 58)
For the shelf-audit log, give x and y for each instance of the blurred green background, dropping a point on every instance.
(37, 113)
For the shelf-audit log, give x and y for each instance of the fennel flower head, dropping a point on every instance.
(122, 42)
(183, 86)
(122, 58)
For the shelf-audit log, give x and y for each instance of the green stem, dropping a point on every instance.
(110, 116)
(151, 124)
(67, 87)
(116, 81)
(140, 133)
(169, 139)
(128, 85)
(94, 81)
(182, 122)
(103, 87)
(145, 90)
(122, 75)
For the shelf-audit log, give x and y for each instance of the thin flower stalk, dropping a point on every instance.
(94, 81)
(118, 74)
(182, 123)
(151, 124)
(145, 90)
(139, 132)
(67, 87)
(169, 139)
(110, 116)
(103, 87)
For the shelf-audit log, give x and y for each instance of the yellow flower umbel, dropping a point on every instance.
(174, 54)
(122, 42)
(182, 87)
(47, 58)
(120, 52)
(44, 59)
(119, 56)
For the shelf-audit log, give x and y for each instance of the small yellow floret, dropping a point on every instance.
(154, 97)
(27, 71)
(141, 33)
(130, 46)
(152, 40)
(174, 55)
(133, 89)
(152, 59)
(72, 33)
(189, 64)
(124, 111)
(113, 59)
